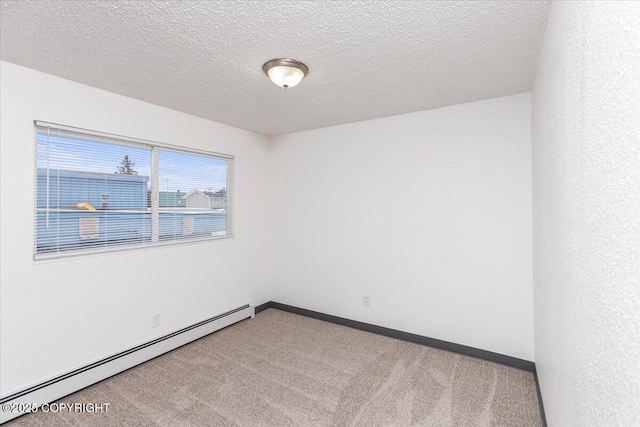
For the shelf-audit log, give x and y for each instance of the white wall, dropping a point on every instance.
(586, 211)
(58, 315)
(428, 213)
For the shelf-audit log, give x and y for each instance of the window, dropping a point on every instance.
(97, 192)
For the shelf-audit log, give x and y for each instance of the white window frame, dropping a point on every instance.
(155, 192)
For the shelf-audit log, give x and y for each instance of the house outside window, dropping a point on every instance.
(98, 192)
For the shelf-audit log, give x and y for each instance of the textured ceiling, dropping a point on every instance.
(366, 59)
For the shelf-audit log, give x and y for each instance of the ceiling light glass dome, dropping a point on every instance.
(285, 73)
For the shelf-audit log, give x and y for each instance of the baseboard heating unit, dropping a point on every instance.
(77, 379)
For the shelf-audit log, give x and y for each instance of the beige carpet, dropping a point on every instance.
(281, 369)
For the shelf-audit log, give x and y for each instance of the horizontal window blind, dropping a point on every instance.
(192, 199)
(98, 192)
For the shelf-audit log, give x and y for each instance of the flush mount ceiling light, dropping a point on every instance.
(285, 73)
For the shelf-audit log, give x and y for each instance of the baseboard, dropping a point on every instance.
(263, 307)
(73, 381)
(543, 416)
(502, 359)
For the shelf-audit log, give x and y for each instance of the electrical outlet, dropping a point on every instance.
(366, 301)
(155, 320)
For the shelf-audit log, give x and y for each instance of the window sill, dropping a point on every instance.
(87, 253)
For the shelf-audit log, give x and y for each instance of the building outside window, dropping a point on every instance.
(97, 192)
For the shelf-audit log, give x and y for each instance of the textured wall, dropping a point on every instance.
(428, 213)
(586, 211)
